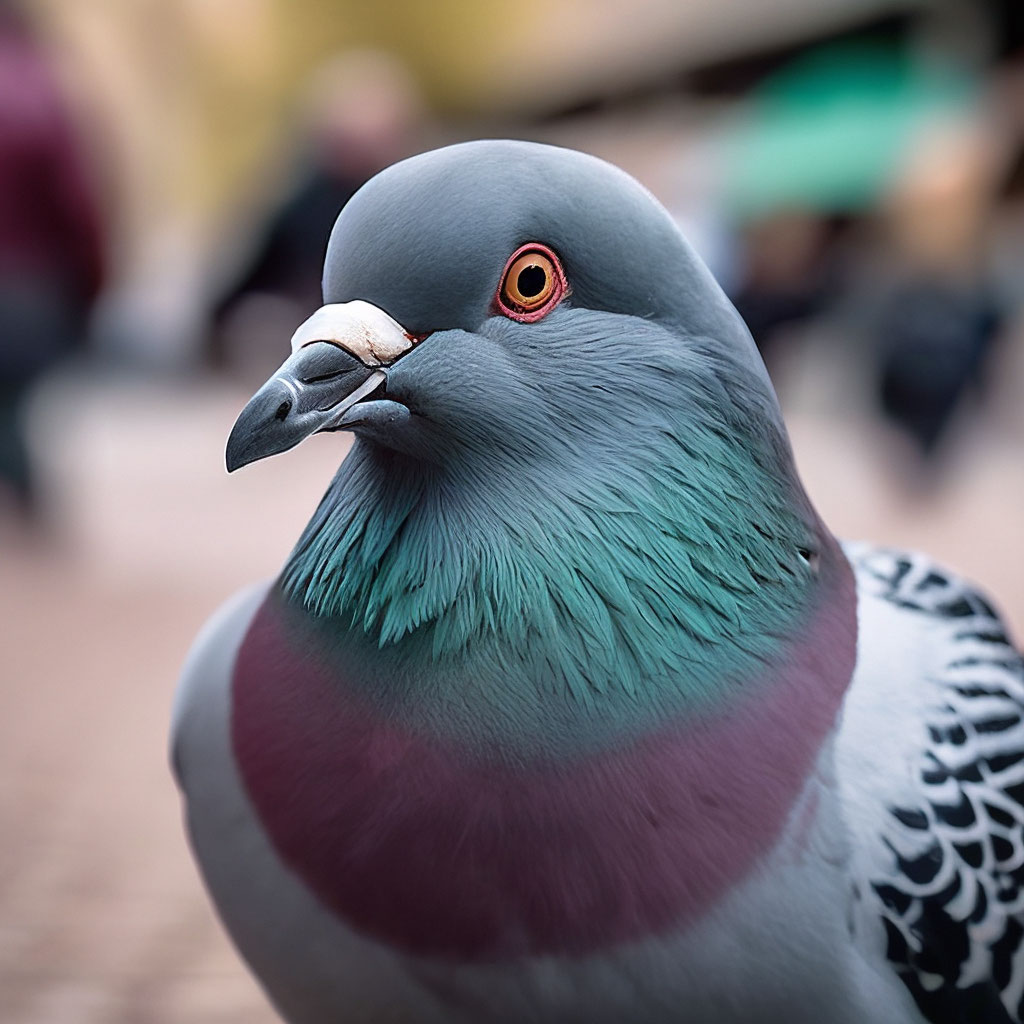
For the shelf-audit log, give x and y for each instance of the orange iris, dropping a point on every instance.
(533, 283)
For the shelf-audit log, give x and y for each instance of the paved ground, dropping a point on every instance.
(102, 919)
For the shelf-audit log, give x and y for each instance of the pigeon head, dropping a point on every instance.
(493, 300)
(562, 428)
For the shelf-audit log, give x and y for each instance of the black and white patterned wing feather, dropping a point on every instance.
(942, 864)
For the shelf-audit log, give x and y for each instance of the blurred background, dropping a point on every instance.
(852, 171)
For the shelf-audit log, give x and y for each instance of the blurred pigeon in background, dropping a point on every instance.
(566, 705)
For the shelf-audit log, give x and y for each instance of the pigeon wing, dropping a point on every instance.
(935, 728)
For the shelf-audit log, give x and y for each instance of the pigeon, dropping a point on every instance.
(567, 706)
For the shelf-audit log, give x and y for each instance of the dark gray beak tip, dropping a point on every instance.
(266, 426)
(234, 455)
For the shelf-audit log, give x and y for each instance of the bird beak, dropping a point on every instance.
(339, 356)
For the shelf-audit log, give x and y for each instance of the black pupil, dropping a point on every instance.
(531, 281)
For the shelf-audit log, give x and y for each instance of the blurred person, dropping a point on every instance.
(937, 316)
(362, 112)
(51, 245)
(936, 334)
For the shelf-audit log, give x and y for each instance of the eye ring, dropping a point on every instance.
(532, 283)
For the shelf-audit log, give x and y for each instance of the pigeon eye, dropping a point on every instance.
(532, 284)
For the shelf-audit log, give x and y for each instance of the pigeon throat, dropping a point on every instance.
(683, 570)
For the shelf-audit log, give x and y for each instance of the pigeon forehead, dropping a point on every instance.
(427, 239)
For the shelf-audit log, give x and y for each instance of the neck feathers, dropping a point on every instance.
(687, 566)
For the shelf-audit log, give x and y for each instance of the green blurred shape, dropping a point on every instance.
(828, 130)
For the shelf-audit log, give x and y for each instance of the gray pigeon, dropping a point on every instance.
(567, 706)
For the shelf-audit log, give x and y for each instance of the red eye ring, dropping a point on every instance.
(532, 283)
